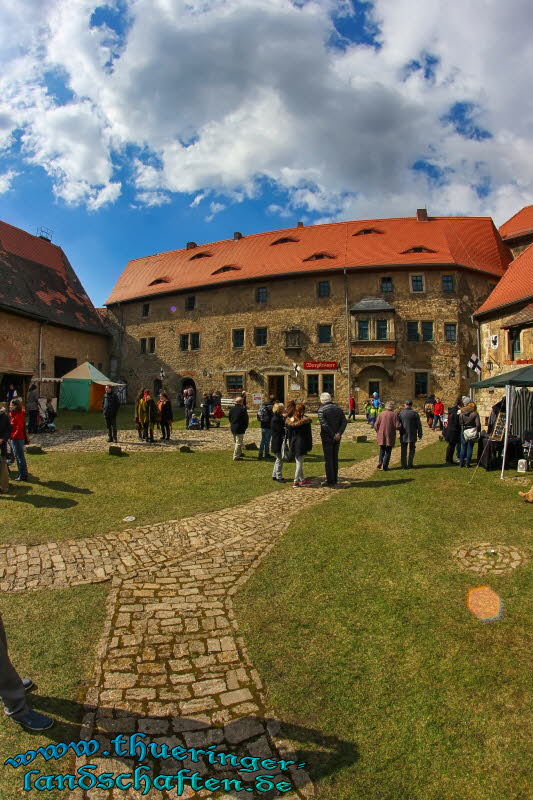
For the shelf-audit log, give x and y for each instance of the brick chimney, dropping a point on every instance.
(422, 214)
(299, 224)
(237, 236)
(191, 245)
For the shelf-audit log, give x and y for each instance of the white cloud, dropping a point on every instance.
(6, 180)
(214, 208)
(218, 95)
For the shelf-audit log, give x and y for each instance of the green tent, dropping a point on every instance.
(518, 377)
(82, 389)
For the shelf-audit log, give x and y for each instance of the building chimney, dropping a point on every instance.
(191, 245)
(422, 214)
(237, 236)
(299, 224)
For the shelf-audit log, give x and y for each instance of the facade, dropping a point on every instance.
(48, 325)
(377, 305)
(505, 322)
(517, 232)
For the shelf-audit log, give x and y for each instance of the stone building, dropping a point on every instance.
(375, 305)
(48, 325)
(517, 232)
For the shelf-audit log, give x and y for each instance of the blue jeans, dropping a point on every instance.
(18, 449)
(467, 446)
(385, 451)
(264, 446)
(437, 419)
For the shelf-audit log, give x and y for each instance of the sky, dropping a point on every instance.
(130, 127)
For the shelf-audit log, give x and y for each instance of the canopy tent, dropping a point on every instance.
(522, 377)
(82, 389)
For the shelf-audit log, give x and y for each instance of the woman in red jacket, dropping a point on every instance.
(438, 413)
(17, 418)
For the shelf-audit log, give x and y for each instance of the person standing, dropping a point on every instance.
(300, 442)
(264, 415)
(32, 408)
(140, 413)
(110, 407)
(18, 437)
(351, 408)
(452, 434)
(438, 413)
(217, 398)
(277, 430)
(5, 434)
(205, 409)
(410, 431)
(238, 418)
(11, 393)
(428, 408)
(150, 416)
(13, 690)
(332, 425)
(470, 431)
(189, 406)
(165, 415)
(386, 426)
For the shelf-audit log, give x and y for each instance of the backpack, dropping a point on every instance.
(264, 414)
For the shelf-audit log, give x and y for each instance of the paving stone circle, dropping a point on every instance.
(487, 557)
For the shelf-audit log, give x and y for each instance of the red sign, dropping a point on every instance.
(320, 364)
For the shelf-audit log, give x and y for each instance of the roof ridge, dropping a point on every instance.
(33, 235)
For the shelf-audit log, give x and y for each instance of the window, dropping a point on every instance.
(234, 383)
(260, 336)
(412, 331)
(427, 331)
(195, 341)
(517, 349)
(381, 329)
(159, 280)
(285, 240)
(190, 303)
(448, 283)
(323, 289)
(237, 337)
(450, 332)
(200, 255)
(184, 341)
(151, 344)
(261, 294)
(227, 268)
(145, 311)
(387, 285)
(417, 283)
(421, 384)
(143, 346)
(318, 256)
(419, 249)
(366, 231)
(324, 334)
(312, 385)
(328, 384)
(362, 329)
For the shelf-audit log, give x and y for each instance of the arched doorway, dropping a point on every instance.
(375, 379)
(188, 383)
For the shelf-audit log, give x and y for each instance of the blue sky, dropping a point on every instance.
(130, 128)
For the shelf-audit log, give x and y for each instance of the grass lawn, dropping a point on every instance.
(52, 638)
(73, 495)
(358, 625)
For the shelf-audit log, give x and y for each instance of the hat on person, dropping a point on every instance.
(375, 394)
(325, 397)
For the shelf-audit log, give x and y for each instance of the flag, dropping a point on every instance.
(475, 364)
(162, 374)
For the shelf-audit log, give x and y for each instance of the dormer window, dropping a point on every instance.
(285, 240)
(319, 256)
(159, 280)
(418, 249)
(200, 255)
(226, 268)
(366, 231)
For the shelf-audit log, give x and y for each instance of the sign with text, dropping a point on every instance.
(320, 364)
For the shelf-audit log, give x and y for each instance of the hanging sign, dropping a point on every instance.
(320, 364)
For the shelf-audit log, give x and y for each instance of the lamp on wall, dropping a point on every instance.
(489, 366)
(452, 373)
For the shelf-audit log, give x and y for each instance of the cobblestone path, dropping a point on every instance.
(171, 663)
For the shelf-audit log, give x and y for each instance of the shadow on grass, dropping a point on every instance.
(22, 494)
(61, 486)
(311, 750)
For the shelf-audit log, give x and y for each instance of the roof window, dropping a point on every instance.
(285, 240)
(319, 256)
(418, 249)
(159, 280)
(365, 231)
(227, 268)
(200, 255)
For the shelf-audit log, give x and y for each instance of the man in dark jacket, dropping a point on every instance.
(110, 406)
(332, 425)
(410, 431)
(238, 418)
(264, 415)
(32, 408)
(189, 406)
(452, 433)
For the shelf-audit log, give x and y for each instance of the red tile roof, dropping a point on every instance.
(471, 242)
(516, 284)
(36, 278)
(520, 224)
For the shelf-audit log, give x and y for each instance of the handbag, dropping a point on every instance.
(470, 434)
(286, 450)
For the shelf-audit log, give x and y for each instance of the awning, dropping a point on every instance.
(518, 377)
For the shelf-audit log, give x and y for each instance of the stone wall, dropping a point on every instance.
(294, 303)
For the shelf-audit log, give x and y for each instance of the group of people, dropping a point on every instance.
(150, 413)
(373, 408)
(286, 433)
(434, 410)
(210, 406)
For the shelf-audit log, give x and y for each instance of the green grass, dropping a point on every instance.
(358, 625)
(73, 495)
(52, 637)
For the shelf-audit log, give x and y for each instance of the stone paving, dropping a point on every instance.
(485, 558)
(171, 663)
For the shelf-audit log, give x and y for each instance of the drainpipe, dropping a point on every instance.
(347, 332)
(478, 342)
